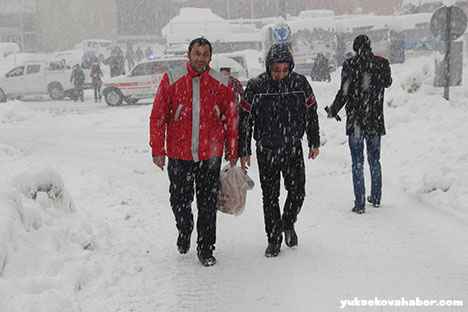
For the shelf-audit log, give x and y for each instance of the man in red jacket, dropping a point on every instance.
(194, 116)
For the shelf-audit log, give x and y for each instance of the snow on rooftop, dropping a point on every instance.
(422, 2)
(316, 13)
(196, 22)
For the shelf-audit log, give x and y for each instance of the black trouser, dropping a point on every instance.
(78, 93)
(183, 174)
(271, 165)
(97, 90)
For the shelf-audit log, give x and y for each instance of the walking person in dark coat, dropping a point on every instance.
(116, 62)
(130, 57)
(280, 106)
(96, 78)
(148, 52)
(77, 78)
(363, 81)
(139, 55)
(321, 69)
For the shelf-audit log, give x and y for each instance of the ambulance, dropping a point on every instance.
(141, 83)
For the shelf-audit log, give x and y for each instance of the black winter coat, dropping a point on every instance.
(363, 81)
(279, 112)
(77, 77)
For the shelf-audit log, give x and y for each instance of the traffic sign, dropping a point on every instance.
(448, 23)
(282, 32)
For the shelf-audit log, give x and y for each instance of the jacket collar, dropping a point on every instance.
(193, 73)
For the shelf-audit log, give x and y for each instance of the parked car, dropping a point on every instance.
(37, 77)
(252, 62)
(142, 82)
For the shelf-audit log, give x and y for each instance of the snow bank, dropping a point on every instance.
(46, 187)
(45, 246)
(426, 142)
(14, 111)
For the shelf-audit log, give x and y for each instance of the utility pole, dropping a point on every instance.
(251, 9)
(447, 54)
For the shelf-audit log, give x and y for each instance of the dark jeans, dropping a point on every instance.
(271, 165)
(356, 146)
(78, 93)
(97, 90)
(183, 175)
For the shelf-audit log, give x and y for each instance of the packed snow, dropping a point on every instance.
(86, 225)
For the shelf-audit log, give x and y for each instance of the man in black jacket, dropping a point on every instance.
(280, 106)
(363, 82)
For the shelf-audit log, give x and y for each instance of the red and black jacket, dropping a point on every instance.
(195, 115)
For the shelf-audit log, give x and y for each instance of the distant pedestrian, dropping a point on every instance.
(320, 69)
(363, 81)
(77, 78)
(116, 62)
(237, 88)
(139, 55)
(148, 52)
(130, 58)
(96, 78)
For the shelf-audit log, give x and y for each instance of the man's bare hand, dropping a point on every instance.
(313, 152)
(160, 161)
(233, 161)
(245, 161)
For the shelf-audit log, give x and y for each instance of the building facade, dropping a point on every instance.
(60, 24)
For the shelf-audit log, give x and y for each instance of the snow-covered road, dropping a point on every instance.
(117, 251)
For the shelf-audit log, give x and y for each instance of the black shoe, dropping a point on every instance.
(183, 243)
(206, 258)
(376, 204)
(359, 210)
(272, 250)
(290, 237)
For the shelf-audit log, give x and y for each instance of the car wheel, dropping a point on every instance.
(56, 91)
(3, 96)
(131, 101)
(113, 96)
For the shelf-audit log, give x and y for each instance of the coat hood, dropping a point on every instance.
(279, 53)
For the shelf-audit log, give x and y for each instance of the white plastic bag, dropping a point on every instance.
(233, 188)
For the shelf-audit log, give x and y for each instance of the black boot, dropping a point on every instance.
(359, 210)
(183, 243)
(290, 237)
(374, 203)
(273, 249)
(206, 257)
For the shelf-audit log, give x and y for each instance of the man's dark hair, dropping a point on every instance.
(227, 69)
(362, 42)
(201, 41)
